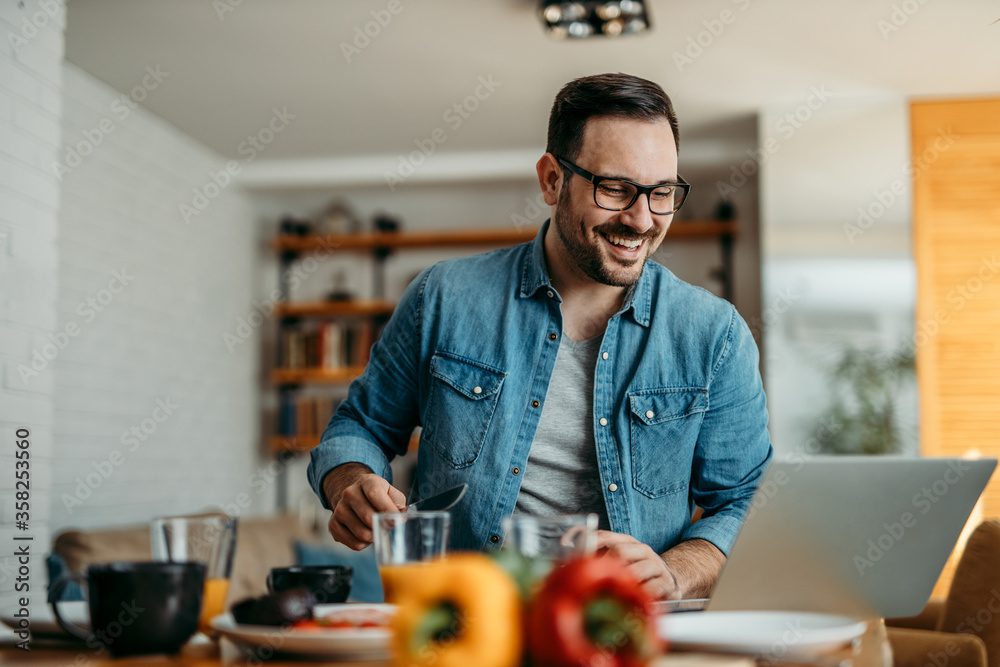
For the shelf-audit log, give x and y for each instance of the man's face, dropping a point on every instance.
(611, 247)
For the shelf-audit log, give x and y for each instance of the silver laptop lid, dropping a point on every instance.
(864, 536)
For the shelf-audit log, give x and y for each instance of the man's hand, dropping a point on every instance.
(689, 570)
(645, 564)
(356, 493)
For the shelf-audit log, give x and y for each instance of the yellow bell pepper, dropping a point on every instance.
(460, 611)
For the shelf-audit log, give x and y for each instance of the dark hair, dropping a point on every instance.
(619, 94)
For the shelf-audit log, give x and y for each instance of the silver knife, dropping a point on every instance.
(440, 502)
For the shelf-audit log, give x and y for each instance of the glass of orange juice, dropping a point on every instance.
(407, 539)
(208, 539)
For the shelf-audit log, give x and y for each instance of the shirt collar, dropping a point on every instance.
(534, 277)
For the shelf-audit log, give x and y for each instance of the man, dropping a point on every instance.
(571, 373)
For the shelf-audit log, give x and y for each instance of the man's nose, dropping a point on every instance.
(637, 216)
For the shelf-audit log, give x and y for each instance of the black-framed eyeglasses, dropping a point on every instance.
(615, 194)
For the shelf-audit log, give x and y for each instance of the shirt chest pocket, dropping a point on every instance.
(664, 430)
(463, 397)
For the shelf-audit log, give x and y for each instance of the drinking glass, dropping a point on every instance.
(208, 539)
(404, 540)
(551, 538)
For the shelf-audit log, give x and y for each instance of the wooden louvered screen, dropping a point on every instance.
(956, 223)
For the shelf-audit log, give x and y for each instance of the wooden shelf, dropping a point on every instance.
(335, 242)
(292, 443)
(285, 376)
(356, 308)
(288, 443)
(701, 229)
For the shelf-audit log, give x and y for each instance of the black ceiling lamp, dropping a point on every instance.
(576, 20)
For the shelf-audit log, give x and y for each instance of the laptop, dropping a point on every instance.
(860, 536)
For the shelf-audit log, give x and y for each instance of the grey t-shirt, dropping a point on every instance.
(561, 476)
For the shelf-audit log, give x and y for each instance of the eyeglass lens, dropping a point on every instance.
(619, 195)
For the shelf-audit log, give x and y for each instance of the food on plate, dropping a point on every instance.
(455, 612)
(591, 611)
(346, 619)
(282, 608)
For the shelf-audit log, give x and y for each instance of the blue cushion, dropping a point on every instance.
(56, 567)
(366, 586)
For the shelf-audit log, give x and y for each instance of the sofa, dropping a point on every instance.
(962, 630)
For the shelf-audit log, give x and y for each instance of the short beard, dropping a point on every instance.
(588, 258)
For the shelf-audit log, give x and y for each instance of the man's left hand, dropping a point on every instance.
(645, 564)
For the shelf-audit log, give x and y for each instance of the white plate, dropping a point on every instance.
(43, 621)
(363, 643)
(767, 632)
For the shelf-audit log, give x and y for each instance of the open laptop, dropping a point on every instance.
(864, 536)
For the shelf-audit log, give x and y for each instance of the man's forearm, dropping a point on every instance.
(696, 565)
(340, 478)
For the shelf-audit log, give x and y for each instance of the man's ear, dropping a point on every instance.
(550, 175)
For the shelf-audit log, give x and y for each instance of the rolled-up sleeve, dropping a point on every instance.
(374, 423)
(734, 447)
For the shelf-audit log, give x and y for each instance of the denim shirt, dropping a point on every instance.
(679, 413)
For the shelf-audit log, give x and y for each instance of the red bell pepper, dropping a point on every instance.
(589, 612)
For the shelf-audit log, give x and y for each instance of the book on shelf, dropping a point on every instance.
(305, 416)
(327, 345)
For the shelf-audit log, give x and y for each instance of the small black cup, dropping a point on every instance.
(329, 583)
(138, 608)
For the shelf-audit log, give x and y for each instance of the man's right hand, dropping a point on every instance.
(356, 493)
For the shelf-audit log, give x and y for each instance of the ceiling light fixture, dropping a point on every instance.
(575, 20)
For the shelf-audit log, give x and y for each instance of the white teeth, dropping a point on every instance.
(631, 244)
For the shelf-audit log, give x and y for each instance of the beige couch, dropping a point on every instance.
(261, 544)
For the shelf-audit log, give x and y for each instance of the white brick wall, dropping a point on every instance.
(30, 102)
(179, 287)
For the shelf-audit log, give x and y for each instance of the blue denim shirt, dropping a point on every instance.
(679, 413)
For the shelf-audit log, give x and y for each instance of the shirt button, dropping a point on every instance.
(604, 356)
(550, 293)
(477, 390)
(649, 414)
(552, 336)
(612, 487)
(494, 538)
(516, 471)
(535, 404)
(603, 422)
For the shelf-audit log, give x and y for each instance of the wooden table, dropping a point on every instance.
(871, 650)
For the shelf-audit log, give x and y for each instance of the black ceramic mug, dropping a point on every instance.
(328, 583)
(138, 608)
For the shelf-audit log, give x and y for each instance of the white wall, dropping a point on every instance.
(836, 254)
(152, 297)
(30, 102)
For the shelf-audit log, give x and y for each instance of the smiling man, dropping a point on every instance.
(571, 374)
